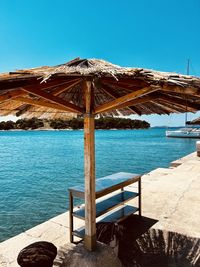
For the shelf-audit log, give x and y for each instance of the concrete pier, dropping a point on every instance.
(172, 197)
(169, 195)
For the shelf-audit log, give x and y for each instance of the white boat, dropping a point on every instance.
(184, 133)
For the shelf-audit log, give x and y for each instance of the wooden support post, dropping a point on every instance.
(89, 163)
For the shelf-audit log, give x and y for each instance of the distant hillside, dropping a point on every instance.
(76, 123)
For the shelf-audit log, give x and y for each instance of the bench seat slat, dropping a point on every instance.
(107, 204)
(107, 184)
(115, 216)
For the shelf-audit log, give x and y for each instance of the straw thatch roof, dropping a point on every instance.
(194, 122)
(58, 91)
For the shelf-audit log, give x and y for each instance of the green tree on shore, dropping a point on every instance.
(75, 123)
(7, 125)
(26, 124)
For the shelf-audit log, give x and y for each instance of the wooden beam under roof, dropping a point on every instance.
(11, 94)
(114, 95)
(179, 108)
(162, 108)
(174, 107)
(125, 81)
(57, 100)
(135, 109)
(16, 83)
(179, 101)
(65, 87)
(18, 92)
(146, 109)
(41, 103)
(128, 85)
(193, 91)
(58, 90)
(124, 99)
(137, 101)
(157, 95)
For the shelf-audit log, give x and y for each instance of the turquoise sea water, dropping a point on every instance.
(37, 167)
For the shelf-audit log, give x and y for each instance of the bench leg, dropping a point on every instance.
(139, 198)
(122, 190)
(71, 223)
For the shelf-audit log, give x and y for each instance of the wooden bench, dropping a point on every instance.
(111, 207)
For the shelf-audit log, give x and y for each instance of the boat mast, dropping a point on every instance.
(188, 67)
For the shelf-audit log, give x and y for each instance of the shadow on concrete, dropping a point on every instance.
(138, 244)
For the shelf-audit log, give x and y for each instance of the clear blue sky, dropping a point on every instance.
(152, 34)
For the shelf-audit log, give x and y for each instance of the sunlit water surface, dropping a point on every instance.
(37, 167)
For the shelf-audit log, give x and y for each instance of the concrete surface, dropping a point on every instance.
(76, 255)
(172, 197)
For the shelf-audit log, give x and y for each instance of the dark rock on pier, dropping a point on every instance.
(38, 254)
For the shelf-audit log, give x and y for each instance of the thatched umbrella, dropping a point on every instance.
(92, 87)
